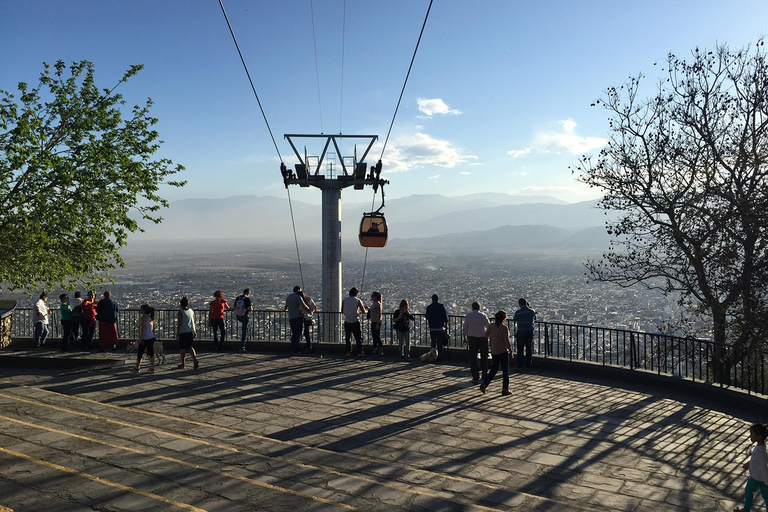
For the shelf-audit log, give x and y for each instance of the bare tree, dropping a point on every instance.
(686, 171)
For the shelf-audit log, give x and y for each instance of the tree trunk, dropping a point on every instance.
(720, 366)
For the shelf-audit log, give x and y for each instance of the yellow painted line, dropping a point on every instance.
(301, 465)
(294, 444)
(177, 461)
(101, 480)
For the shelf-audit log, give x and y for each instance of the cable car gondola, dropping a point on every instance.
(373, 230)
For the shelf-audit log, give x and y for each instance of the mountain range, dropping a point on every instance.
(431, 219)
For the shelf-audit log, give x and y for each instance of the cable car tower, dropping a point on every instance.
(354, 173)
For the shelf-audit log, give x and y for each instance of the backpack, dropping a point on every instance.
(240, 306)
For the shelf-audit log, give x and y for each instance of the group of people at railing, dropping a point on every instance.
(79, 317)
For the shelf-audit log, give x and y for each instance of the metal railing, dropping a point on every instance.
(687, 358)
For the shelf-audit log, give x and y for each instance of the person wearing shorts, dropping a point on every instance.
(186, 333)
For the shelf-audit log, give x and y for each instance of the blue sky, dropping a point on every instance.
(498, 100)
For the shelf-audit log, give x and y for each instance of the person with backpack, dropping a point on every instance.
(309, 320)
(242, 309)
(402, 319)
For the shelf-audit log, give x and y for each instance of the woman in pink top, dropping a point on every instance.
(498, 334)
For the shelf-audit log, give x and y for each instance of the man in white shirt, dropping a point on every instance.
(40, 318)
(475, 327)
(350, 308)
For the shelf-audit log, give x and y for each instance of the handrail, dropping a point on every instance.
(687, 358)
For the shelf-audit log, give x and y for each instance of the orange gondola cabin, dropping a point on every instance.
(373, 230)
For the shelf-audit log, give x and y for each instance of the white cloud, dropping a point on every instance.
(555, 141)
(421, 149)
(465, 173)
(434, 106)
(569, 140)
(434, 177)
(514, 153)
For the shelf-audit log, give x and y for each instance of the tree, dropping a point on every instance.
(685, 173)
(74, 177)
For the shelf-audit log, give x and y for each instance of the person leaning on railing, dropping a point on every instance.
(474, 330)
(524, 318)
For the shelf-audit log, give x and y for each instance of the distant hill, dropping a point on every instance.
(512, 238)
(267, 219)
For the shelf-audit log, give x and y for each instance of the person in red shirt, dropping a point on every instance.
(88, 322)
(216, 315)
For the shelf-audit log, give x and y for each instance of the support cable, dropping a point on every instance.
(253, 88)
(406, 79)
(343, 41)
(317, 69)
(264, 115)
(295, 238)
(365, 261)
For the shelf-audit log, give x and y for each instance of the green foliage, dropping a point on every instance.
(73, 169)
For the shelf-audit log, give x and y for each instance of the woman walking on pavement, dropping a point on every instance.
(498, 334)
(147, 335)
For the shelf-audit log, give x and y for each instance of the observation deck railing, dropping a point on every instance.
(687, 358)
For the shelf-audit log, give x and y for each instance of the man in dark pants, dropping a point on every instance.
(295, 306)
(475, 328)
(524, 318)
(242, 308)
(437, 318)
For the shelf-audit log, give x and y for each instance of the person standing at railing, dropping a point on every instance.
(77, 315)
(146, 336)
(218, 306)
(351, 307)
(88, 323)
(402, 319)
(296, 307)
(437, 318)
(309, 320)
(186, 333)
(757, 466)
(40, 318)
(106, 314)
(374, 313)
(474, 330)
(498, 334)
(65, 315)
(524, 318)
(242, 309)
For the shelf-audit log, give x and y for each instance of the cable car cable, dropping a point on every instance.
(264, 115)
(402, 91)
(343, 41)
(317, 69)
(365, 261)
(253, 88)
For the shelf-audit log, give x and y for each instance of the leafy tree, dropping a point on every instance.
(684, 173)
(74, 177)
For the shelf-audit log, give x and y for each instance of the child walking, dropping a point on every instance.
(147, 342)
(757, 466)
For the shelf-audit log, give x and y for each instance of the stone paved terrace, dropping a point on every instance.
(269, 432)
